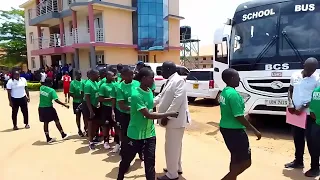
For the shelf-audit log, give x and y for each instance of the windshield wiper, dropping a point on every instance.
(265, 49)
(295, 50)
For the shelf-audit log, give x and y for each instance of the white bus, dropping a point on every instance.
(269, 40)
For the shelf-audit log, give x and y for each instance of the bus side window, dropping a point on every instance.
(221, 52)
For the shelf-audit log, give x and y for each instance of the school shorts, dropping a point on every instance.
(47, 114)
(76, 107)
(66, 89)
(237, 142)
(106, 115)
(86, 113)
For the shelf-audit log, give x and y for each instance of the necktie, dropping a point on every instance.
(164, 85)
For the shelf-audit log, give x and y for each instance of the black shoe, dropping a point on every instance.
(15, 128)
(96, 140)
(312, 173)
(294, 164)
(166, 170)
(92, 146)
(80, 133)
(27, 126)
(166, 178)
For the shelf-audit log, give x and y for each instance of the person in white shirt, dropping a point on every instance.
(43, 76)
(301, 87)
(173, 98)
(6, 79)
(18, 96)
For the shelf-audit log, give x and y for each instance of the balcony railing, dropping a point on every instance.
(54, 40)
(82, 35)
(45, 7)
(78, 35)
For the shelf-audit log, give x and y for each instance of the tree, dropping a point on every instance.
(13, 37)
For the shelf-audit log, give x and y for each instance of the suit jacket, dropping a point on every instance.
(173, 98)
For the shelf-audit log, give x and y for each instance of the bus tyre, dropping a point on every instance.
(191, 99)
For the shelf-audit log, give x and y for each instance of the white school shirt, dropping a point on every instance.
(303, 88)
(43, 77)
(17, 87)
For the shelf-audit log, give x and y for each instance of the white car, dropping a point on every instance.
(200, 84)
(159, 80)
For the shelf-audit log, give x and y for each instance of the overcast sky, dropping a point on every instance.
(204, 16)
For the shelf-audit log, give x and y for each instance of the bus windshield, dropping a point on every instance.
(248, 39)
(303, 30)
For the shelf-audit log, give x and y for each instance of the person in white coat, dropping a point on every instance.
(173, 98)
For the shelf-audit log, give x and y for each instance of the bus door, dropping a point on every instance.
(221, 61)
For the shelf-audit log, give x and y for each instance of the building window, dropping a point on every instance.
(31, 37)
(204, 58)
(153, 27)
(211, 57)
(211, 65)
(204, 66)
(100, 58)
(33, 62)
(143, 57)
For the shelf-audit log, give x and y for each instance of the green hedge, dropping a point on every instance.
(32, 86)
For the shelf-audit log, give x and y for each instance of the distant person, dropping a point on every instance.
(65, 69)
(18, 96)
(6, 79)
(66, 79)
(71, 70)
(119, 69)
(43, 76)
(233, 125)
(50, 73)
(47, 112)
(301, 87)
(75, 93)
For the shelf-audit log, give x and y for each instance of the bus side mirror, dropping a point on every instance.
(229, 22)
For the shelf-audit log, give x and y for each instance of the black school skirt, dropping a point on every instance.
(47, 114)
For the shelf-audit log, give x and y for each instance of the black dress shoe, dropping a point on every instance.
(166, 170)
(312, 173)
(166, 178)
(294, 164)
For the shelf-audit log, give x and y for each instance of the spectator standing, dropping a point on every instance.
(50, 74)
(66, 79)
(43, 76)
(301, 87)
(18, 96)
(6, 79)
(71, 71)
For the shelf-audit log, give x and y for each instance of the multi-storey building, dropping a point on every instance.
(87, 32)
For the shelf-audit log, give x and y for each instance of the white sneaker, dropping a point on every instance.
(52, 140)
(116, 148)
(106, 145)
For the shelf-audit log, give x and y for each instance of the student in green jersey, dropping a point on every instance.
(124, 99)
(141, 133)
(315, 130)
(107, 100)
(233, 124)
(47, 112)
(90, 105)
(75, 93)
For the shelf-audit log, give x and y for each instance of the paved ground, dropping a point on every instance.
(25, 155)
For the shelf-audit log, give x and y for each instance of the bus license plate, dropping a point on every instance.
(277, 102)
(195, 86)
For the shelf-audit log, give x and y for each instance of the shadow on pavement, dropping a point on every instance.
(216, 125)
(204, 103)
(100, 150)
(294, 174)
(113, 157)
(9, 130)
(135, 166)
(44, 143)
(162, 174)
(82, 150)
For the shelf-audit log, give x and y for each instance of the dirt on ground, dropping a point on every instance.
(25, 154)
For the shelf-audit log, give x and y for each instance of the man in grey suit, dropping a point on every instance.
(173, 98)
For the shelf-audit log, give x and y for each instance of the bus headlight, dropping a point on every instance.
(245, 96)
